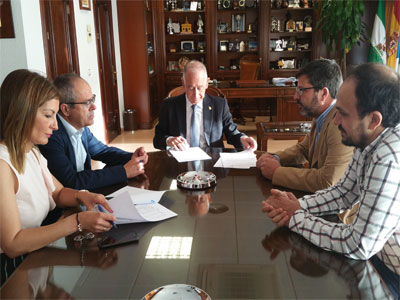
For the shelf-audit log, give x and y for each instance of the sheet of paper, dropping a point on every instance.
(237, 160)
(191, 154)
(139, 196)
(126, 211)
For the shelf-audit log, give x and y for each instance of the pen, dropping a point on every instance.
(103, 210)
(145, 203)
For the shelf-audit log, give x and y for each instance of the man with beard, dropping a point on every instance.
(327, 158)
(368, 118)
(72, 147)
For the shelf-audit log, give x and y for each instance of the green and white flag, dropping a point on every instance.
(377, 50)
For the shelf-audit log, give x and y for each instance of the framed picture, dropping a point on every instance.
(201, 46)
(290, 25)
(253, 46)
(84, 4)
(172, 65)
(238, 22)
(233, 47)
(187, 46)
(299, 26)
(272, 45)
(223, 45)
(222, 27)
(6, 22)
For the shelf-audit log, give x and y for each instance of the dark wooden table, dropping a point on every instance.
(236, 251)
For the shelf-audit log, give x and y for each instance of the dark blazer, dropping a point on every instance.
(216, 118)
(62, 164)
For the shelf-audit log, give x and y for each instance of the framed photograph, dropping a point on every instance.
(233, 47)
(6, 22)
(238, 22)
(299, 26)
(187, 46)
(201, 46)
(272, 45)
(172, 65)
(290, 25)
(253, 46)
(223, 45)
(222, 27)
(193, 6)
(84, 4)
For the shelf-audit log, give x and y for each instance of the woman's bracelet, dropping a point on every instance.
(78, 223)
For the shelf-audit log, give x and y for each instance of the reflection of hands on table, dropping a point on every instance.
(141, 182)
(277, 241)
(177, 142)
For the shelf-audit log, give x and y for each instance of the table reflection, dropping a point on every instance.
(34, 278)
(236, 252)
(361, 278)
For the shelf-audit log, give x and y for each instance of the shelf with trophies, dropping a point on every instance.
(185, 33)
(290, 36)
(237, 35)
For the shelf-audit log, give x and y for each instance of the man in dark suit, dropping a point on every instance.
(197, 119)
(72, 147)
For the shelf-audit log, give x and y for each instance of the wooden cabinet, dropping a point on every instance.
(228, 24)
(237, 29)
(139, 59)
(290, 40)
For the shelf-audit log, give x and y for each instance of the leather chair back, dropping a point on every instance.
(249, 67)
(213, 91)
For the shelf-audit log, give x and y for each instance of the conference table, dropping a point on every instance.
(220, 242)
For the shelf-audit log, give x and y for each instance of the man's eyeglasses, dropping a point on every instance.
(87, 102)
(300, 90)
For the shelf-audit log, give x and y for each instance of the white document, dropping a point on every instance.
(126, 211)
(139, 196)
(190, 154)
(237, 160)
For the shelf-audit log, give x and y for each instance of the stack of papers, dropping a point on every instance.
(133, 205)
(238, 160)
(190, 154)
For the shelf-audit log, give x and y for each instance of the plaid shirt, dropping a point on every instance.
(372, 179)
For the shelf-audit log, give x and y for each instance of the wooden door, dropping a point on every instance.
(107, 69)
(59, 37)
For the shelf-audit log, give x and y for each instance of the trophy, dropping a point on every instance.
(238, 18)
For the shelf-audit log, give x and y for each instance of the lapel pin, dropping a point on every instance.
(209, 108)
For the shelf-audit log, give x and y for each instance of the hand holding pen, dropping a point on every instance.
(101, 209)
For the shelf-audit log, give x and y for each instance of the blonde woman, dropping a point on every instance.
(29, 104)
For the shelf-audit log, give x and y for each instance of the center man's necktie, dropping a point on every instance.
(194, 129)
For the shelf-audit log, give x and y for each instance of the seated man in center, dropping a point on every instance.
(180, 128)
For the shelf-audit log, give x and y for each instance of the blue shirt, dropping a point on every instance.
(76, 140)
(319, 122)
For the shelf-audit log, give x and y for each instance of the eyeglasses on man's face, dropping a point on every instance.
(88, 102)
(300, 90)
